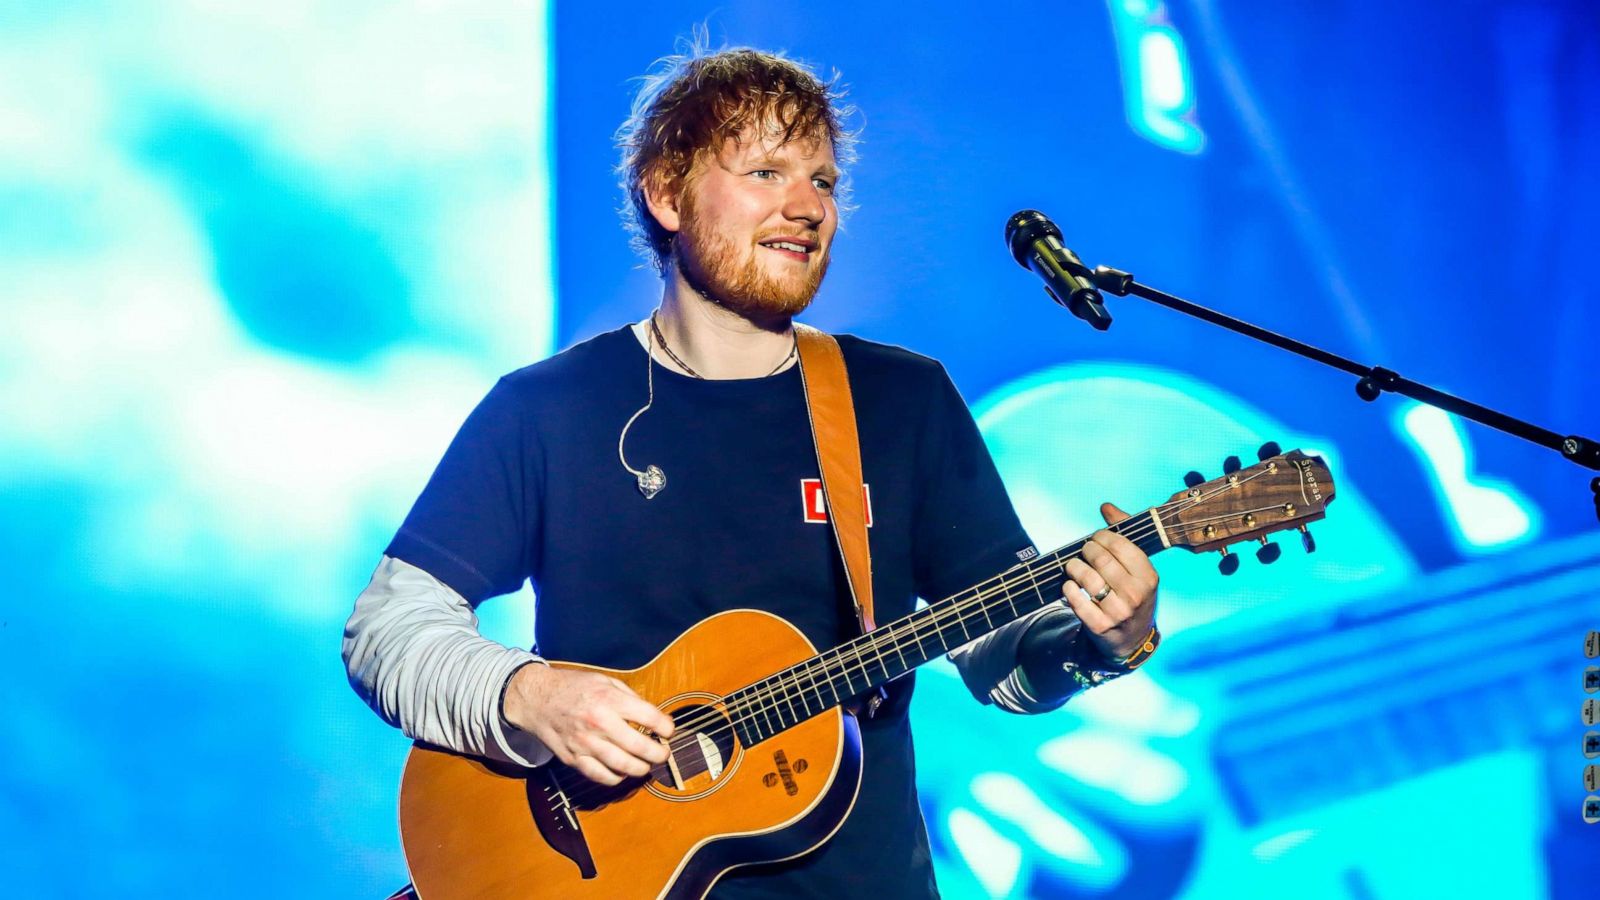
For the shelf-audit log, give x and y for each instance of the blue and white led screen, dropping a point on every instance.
(257, 261)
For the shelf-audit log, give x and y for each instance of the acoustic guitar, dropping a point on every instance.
(765, 763)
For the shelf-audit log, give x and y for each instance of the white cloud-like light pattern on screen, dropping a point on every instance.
(258, 261)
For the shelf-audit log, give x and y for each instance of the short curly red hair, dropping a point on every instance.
(695, 102)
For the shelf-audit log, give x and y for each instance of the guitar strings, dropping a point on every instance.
(1000, 588)
(763, 706)
(751, 706)
(812, 674)
(1144, 526)
(1001, 585)
(986, 597)
(762, 702)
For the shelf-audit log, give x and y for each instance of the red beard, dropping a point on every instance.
(709, 263)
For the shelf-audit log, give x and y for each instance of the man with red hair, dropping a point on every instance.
(732, 167)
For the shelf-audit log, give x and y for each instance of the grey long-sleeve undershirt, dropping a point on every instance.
(414, 654)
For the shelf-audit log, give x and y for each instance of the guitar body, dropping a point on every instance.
(474, 829)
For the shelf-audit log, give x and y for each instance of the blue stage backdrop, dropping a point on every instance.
(257, 261)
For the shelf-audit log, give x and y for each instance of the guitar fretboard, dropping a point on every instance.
(829, 679)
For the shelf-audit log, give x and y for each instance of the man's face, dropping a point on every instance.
(757, 222)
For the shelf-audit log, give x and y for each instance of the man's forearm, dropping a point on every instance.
(991, 665)
(1034, 664)
(413, 653)
(1046, 656)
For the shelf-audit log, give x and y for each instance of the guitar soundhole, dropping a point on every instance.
(700, 752)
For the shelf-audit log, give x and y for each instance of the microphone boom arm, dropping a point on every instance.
(1372, 380)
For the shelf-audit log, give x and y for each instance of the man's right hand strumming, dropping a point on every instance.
(587, 720)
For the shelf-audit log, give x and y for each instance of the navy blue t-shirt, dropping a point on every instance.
(531, 488)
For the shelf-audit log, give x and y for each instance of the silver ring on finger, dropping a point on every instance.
(1104, 593)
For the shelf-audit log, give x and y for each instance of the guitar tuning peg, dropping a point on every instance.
(1193, 479)
(1230, 465)
(1306, 540)
(1229, 563)
(1268, 451)
(1269, 551)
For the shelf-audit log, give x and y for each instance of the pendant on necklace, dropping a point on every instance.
(651, 481)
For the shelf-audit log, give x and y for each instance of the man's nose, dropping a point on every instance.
(803, 203)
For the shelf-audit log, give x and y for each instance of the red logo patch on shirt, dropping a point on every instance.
(815, 507)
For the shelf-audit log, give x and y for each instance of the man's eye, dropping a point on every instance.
(823, 184)
(764, 173)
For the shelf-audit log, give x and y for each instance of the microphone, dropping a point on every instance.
(1035, 243)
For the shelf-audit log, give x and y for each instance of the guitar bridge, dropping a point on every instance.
(557, 819)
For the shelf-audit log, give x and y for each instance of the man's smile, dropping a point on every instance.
(795, 248)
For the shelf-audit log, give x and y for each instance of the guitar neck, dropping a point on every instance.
(829, 679)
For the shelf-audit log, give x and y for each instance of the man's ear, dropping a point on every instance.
(663, 203)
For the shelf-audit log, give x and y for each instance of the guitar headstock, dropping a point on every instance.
(1282, 491)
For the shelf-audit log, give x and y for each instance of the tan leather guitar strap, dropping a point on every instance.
(833, 430)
